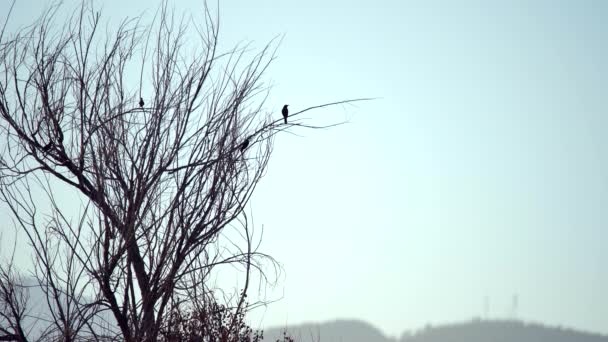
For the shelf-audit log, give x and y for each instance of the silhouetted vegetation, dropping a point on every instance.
(160, 140)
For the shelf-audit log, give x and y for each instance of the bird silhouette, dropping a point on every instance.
(141, 102)
(285, 113)
(47, 147)
(244, 145)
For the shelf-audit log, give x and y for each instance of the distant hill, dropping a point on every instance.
(360, 331)
(501, 331)
(473, 331)
(333, 331)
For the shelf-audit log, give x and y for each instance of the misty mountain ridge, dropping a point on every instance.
(471, 331)
(353, 330)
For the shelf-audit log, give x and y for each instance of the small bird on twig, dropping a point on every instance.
(47, 147)
(285, 113)
(141, 102)
(244, 145)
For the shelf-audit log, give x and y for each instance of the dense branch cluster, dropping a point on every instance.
(158, 183)
(160, 141)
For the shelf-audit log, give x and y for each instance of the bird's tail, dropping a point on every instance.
(285, 118)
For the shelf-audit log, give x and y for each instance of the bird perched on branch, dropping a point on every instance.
(285, 113)
(244, 145)
(141, 102)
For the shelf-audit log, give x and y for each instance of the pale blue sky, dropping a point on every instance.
(481, 171)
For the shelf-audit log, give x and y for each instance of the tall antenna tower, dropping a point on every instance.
(486, 307)
(515, 303)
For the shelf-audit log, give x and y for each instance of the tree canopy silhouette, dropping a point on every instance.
(158, 186)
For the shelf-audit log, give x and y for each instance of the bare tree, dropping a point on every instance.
(13, 303)
(162, 140)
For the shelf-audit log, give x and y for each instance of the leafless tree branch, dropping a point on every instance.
(161, 168)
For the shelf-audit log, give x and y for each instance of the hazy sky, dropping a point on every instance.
(481, 172)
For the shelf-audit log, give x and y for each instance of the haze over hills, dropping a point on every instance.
(332, 331)
(472, 331)
(360, 331)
